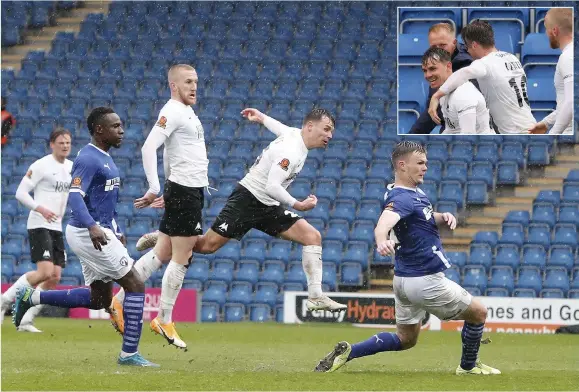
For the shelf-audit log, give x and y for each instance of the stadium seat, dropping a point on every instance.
(529, 278)
(512, 233)
(222, 271)
(453, 274)
(209, 312)
(481, 254)
(536, 49)
(556, 278)
(540, 234)
(486, 237)
(273, 271)
(215, 291)
(259, 312)
(534, 255)
(247, 271)
(234, 312)
(502, 277)
(241, 292)
(265, 293)
(351, 274)
(475, 276)
(507, 255)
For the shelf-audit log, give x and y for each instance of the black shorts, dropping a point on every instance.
(47, 245)
(183, 211)
(243, 212)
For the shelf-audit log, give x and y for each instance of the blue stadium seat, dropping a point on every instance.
(363, 231)
(215, 291)
(222, 271)
(330, 276)
(260, 312)
(474, 276)
(266, 293)
(411, 47)
(497, 292)
(198, 270)
(507, 173)
(522, 217)
(273, 271)
(338, 230)
(241, 292)
(458, 259)
(502, 277)
(513, 233)
(507, 255)
(556, 278)
(452, 191)
(538, 154)
(540, 234)
(536, 49)
(534, 255)
(571, 192)
(351, 274)
(476, 192)
(481, 254)
(487, 237)
(529, 278)
(552, 293)
(209, 312)
(453, 273)
(234, 312)
(565, 234)
(569, 213)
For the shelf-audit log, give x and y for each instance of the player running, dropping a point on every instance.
(257, 202)
(464, 109)
(419, 283)
(49, 179)
(501, 79)
(96, 239)
(559, 29)
(185, 158)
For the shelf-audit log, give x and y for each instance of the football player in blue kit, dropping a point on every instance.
(95, 237)
(408, 228)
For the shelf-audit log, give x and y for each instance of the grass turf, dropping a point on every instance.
(81, 355)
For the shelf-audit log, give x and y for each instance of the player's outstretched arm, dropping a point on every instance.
(155, 140)
(445, 218)
(272, 124)
(26, 186)
(386, 223)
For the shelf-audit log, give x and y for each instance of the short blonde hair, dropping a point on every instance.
(562, 18)
(442, 27)
(177, 67)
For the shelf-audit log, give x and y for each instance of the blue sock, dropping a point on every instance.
(133, 314)
(73, 298)
(384, 341)
(471, 336)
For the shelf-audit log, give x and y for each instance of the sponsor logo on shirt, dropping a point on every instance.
(76, 181)
(389, 206)
(162, 122)
(112, 183)
(29, 174)
(284, 164)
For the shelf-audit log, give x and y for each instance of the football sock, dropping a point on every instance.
(10, 294)
(384, 341)
(32, 312)
(471, 337)
(133, 315)
(172, 282)
(145, 267)
(312, 264)
(73, 298)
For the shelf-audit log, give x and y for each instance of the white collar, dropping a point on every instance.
(103, 151)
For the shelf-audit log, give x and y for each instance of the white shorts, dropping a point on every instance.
(435, 294)
(112, 263)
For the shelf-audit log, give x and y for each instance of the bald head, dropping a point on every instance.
(559, 26)
(183, 83)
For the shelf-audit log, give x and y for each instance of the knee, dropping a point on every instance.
(45, 274)
(100, 300)
(208, 245)
(313, 237)
(407, 341)
(481, 314)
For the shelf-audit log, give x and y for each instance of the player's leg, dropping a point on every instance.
(145, 267)
(303, 233)
(448, 301)
(27, 323)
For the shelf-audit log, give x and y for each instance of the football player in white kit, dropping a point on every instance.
(464, 109)
(559, 29)
(259, 199)
(501, 79)
(49, 179)
(185, 158)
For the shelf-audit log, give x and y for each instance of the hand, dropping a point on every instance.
(449, 219)
(46, 214)
(145, 200)
(159, 202)
(309, 203)
(433, 108)
(538, 129)
(386, 248)
(253, 115)
(97, 236)
(123, 240)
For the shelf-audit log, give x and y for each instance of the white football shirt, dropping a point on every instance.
(563, 76)
(288, 152)
(185, 148)
(51, 182)
(465, 111)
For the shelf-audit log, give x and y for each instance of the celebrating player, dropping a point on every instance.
(95, 238)
(443, 36)
(464, 110)
(419, 283)
(559, 29)
(501, 79)
(258, 200)
(49, 179)
(185, 159)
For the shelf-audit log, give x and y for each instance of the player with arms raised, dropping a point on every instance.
(259, 199)
(559, 29)
(95, 237)
(464, 109)
(49, 179)
(185, 159)
(419, 282)
(501, 79)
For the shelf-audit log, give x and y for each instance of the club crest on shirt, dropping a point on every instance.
(389, 206)
(284, 164)
(29, 174)
(76, 182)
(162, 122)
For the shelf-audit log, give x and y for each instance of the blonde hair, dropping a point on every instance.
(449, 28)
(562, 18)
(177, 67)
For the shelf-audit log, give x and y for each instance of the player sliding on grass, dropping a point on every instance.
(419, 283)
(257, 202)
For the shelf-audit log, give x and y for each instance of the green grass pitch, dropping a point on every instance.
(81, 355)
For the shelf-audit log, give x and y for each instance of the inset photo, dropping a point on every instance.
(485, 71)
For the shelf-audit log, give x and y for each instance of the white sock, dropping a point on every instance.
(33, 311)
(172, 282)
(35, 297)
(125, 355)
(10, 294)
(145, 267)
(312, 263)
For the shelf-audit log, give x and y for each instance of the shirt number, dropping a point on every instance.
(521, 92)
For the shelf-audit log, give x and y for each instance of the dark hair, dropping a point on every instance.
(317, 114)
(58, 131)
(405, 147)
(96, 116)
(479, 31)
(435, 54)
